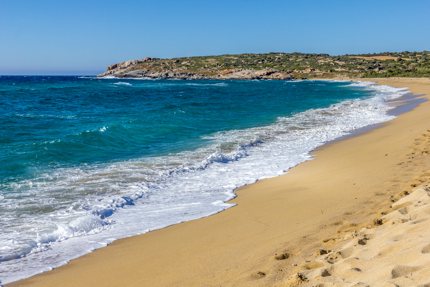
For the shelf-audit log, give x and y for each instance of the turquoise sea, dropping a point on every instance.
(85, 161)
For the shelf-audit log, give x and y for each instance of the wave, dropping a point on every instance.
(28, 115)
(123, 84)
(107, 77)
(95, 204)
(88, 77)
(207, 84)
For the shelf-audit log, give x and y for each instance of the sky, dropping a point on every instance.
(54, 37)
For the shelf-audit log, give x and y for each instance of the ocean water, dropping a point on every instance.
(85, 161)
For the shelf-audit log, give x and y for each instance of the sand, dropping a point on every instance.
(301, 228)
(395, 252)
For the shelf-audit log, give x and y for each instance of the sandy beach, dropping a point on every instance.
(356, 215)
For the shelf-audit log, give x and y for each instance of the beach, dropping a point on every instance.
(292, 229)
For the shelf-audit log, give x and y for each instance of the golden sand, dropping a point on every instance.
(299, 228)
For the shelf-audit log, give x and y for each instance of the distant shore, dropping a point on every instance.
(306, 227)
(275, 66)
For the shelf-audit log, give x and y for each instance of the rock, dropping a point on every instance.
(149, 59)
(112, 67)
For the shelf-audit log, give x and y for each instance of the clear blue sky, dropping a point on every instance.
(84, 36)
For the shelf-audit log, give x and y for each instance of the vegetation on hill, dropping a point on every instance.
(278, 66)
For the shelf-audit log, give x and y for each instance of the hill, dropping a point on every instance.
(277, 66)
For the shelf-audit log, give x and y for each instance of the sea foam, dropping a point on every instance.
(123, 84)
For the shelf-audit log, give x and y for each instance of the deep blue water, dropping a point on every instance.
(85, 161)
(51, 122)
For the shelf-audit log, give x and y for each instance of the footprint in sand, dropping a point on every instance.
(347, 252)
(313, 265)
(378, 221)
(259, 275)
(325, 273)
(419, 221)
(426, 249)
(333, 257)
(403, 210)
(403, 270)
(364, 239)
(324, 251)
(282, 256)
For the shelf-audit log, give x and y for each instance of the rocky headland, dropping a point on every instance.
(285, 66)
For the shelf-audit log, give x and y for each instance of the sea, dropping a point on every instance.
(85, 161)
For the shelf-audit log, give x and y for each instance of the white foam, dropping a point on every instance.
(93, 205)
(87, 77)
(222, 84)
(123, 84)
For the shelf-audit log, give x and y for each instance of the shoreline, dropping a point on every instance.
(80, 246)
(253, 225)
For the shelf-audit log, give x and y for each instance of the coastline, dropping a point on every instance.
(237, 247)
(286, 66)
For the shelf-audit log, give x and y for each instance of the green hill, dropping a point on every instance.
(278, 66)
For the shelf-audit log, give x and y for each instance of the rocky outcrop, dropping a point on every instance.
(118, 69)
(256, 74)
(126, 70)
